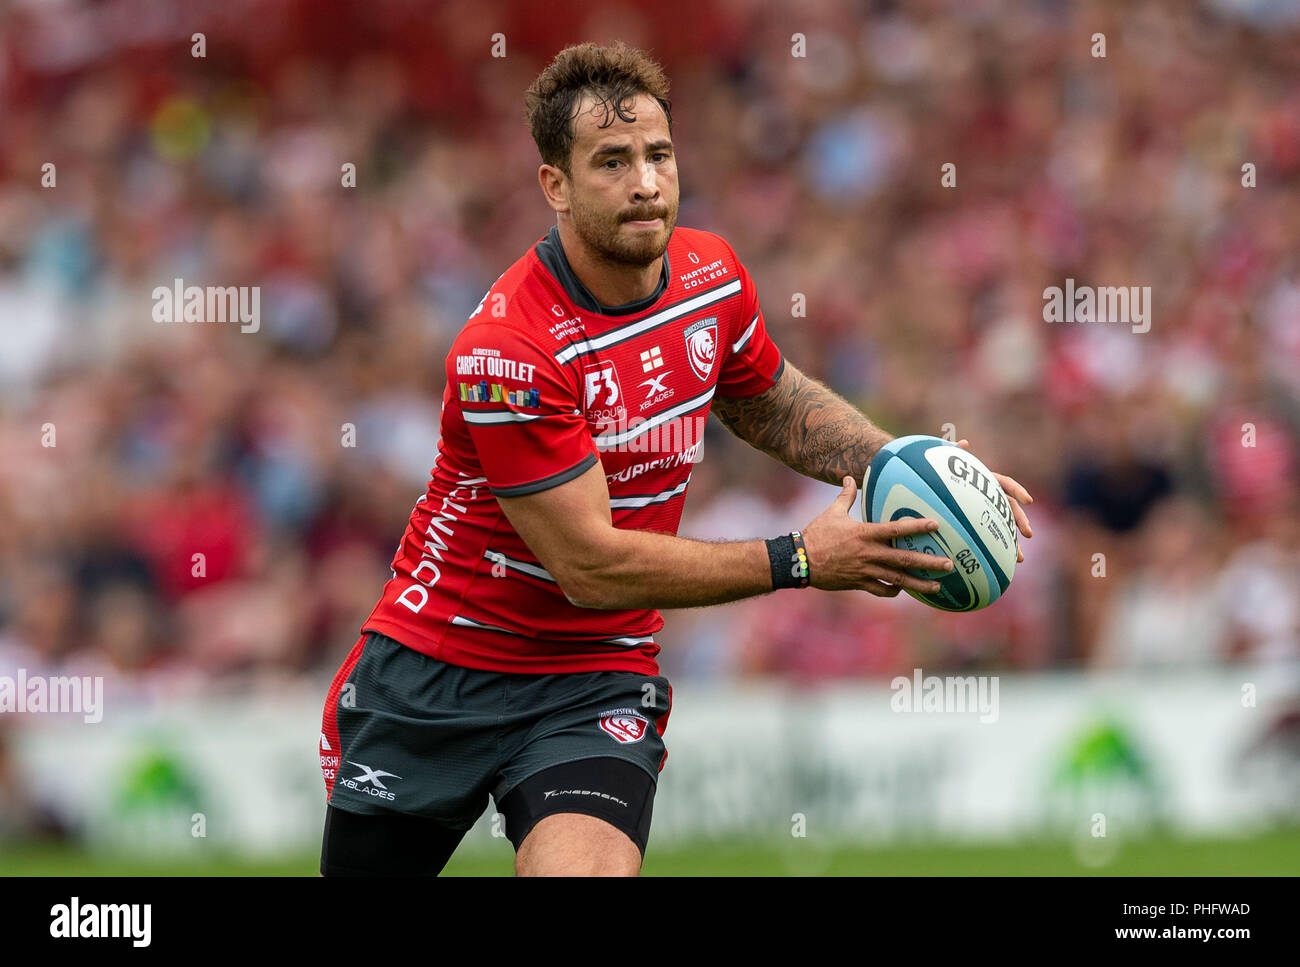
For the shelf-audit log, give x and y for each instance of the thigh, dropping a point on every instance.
(587, 744)
(385, 844)
(553, 719)
(411, 735)
(573, 844)
(588, 817)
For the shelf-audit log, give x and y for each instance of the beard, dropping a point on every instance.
(606, 235)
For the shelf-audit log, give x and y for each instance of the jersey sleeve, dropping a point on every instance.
(521, 411)
(753, 363)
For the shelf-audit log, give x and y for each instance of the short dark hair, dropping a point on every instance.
(615, 75)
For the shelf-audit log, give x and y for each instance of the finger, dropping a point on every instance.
(898, 557)
(1022, 519)
(902, 527)
(844, 500)
(882, 590)
(1013, 488)
(964, 444)
(904, 580)
(1020, 555)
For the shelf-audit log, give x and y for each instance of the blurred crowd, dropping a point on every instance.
(184, 504)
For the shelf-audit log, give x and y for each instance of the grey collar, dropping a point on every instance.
(551, 253)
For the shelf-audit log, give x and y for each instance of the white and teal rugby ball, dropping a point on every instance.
(925, 476)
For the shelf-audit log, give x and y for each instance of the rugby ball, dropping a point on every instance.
(925, 476)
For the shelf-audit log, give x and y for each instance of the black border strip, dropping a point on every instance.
(546, 483)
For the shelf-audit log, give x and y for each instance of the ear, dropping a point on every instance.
(555, 187)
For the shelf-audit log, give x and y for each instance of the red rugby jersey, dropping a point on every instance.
(542, 383)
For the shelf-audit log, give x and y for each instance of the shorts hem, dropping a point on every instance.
(654, 776)
(583, 811)
(402, 812)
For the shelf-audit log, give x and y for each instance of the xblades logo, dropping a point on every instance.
(370, 781)
(655, 384)
(371, 775)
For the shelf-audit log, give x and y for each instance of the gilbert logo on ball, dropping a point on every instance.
(925, 476)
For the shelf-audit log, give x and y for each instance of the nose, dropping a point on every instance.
(648, 187)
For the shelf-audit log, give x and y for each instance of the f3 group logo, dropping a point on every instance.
(624, 725)
(601, 379)
(604, 395)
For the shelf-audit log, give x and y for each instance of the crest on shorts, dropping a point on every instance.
(702, 345)
(624, 725)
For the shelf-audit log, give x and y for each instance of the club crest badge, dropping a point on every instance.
(624, 725)
(702, 346)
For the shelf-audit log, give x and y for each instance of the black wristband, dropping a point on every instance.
(799, 563)
(789, 561)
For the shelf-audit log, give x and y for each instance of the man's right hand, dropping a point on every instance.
(844, 554)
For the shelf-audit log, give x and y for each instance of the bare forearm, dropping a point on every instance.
(806, 426)
(597, 565)
(646, 569)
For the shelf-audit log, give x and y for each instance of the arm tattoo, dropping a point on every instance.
(806, 426)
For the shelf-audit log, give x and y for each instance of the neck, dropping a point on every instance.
(611, 283)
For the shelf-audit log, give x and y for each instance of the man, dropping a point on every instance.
(512, 653)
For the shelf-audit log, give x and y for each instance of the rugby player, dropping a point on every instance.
(512, 653)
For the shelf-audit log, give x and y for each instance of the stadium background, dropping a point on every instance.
(924, 306)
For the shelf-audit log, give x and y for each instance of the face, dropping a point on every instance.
(622, 194)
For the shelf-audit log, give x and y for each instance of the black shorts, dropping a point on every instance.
(421, 744)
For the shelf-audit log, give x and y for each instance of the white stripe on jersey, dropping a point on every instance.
(618, 503)
(533, 570)
(471, 623)
(630, 642)
(700, 301)
(744, 339)
(608, 440)
(625, 642)
(488, 417)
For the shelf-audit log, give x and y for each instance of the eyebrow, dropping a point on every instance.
(627, 149)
